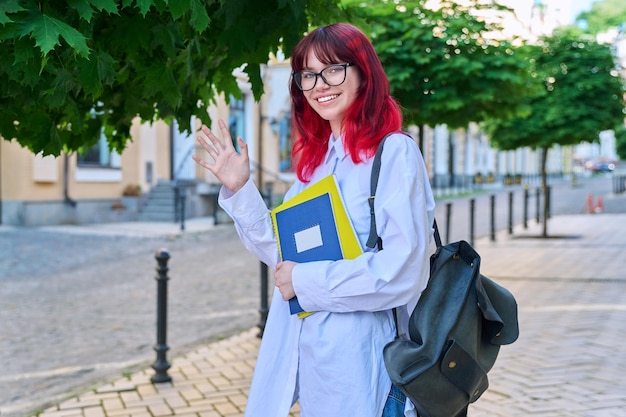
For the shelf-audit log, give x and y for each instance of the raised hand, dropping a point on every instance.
(230, 167)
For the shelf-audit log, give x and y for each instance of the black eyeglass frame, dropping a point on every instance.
(297, 76)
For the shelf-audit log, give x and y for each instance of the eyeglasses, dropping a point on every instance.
(332, 75)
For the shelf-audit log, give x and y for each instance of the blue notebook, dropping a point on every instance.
(308, 232)
(314, 226)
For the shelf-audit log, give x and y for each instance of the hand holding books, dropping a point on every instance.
(313, 226)
(283, 279)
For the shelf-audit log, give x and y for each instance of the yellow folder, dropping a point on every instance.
(313, 225)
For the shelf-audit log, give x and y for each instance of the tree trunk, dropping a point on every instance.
(544, 186)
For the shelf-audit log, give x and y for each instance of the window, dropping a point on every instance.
(236, 120)
(285, 142)
(98, 156)
(98, 163)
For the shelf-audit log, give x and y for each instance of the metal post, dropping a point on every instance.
(215, 207)
(471, 219)
(510, 212)
(448, 216)
(183, 197)
(525, 208)
(161, 365)
(176, 202)
(538, 205)
(493, 218)
(264, 309)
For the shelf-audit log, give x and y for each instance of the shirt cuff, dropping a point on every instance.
(309, 284)
(246, 206)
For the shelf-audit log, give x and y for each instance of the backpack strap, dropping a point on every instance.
(436, 234)
(374, 240)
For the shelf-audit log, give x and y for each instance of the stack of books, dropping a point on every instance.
(314, 226)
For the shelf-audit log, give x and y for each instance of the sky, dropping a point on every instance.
(577, 6)
(559, 12)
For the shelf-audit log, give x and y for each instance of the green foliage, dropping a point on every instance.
(69, 69)
(604, 15)
(445, 66)
(581, 95)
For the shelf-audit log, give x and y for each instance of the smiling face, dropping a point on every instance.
(332, 103)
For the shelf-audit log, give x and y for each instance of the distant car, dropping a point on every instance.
(606, 167)
(599, 166)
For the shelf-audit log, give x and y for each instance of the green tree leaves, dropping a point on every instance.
(604, 15)
(70, 69)
(47, 31)
(445, 65)
(579, 95)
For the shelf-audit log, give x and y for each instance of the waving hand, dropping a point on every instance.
(230, 167)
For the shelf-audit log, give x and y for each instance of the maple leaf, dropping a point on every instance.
(46, 31)
(9, 7)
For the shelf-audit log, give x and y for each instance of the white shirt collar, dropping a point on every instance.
(335, 148)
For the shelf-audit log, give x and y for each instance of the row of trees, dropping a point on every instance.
(452, 66)
(70, 69)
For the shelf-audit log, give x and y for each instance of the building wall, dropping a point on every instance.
(37, 190)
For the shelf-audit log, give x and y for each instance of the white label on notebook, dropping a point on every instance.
(308, 238)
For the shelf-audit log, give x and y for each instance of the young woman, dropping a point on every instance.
(331, 361)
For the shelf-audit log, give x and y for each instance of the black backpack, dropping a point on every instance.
(455, 332)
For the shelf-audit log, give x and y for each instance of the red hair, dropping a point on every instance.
(373, 114)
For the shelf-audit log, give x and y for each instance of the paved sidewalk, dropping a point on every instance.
(137, 229)
(568, 360)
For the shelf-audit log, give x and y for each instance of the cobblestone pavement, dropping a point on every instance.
(567, 362)
(78, 304)
(93, 360)
(571, 291)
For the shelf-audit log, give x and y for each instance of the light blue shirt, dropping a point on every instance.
(332, 361)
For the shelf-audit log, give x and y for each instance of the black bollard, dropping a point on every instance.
(525, 207)
(264, 310)
(538, 205)
(161, 365)
(215, 200)
(264, 274)
(183, 197)
(492, 233)
(448, 217)
(471, 220)
(510, 212)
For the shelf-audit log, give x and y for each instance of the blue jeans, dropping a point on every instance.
(394, 407)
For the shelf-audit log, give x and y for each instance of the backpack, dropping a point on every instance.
(455, 332)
